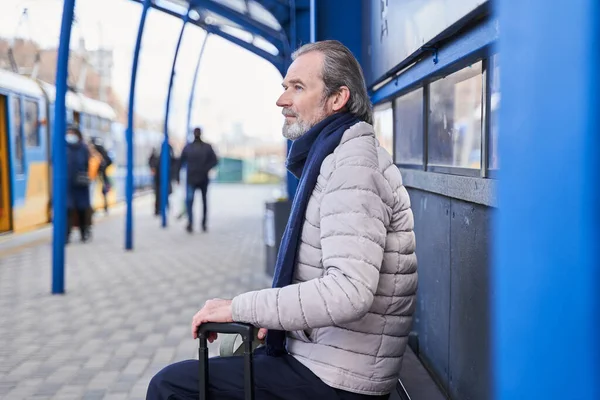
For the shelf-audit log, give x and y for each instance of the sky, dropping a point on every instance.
(234, 86)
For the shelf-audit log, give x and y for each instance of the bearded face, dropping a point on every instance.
(303, 101)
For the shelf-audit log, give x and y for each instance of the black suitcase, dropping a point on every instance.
(247, 333)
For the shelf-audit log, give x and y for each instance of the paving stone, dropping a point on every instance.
(125, 315)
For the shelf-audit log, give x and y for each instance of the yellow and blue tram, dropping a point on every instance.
(26, 122)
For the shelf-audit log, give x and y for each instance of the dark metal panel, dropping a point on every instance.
(464, 49)
(432, 230)
(399, 29)
(341, 20)
(470, 372)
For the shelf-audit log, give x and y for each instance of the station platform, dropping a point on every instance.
(125, 315)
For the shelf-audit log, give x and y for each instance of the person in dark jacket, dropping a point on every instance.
(78, 182)
(200, 158)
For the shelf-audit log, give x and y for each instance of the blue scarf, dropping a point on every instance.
(304, 161)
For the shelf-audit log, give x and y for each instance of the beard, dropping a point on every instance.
(299, 127)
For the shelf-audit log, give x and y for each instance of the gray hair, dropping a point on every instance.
(340, 68)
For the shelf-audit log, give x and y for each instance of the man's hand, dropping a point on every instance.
(215, 310)
(262, 333)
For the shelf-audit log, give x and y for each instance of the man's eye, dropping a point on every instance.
(298, 87)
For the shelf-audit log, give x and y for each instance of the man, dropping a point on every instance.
(343, 295)
(200, 159)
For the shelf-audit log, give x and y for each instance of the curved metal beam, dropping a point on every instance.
(59, 156)
(129, 133)
(165, 173)
(193, 90)
(277, 61)
(253, 26)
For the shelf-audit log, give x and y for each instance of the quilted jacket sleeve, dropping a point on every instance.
(353, 232)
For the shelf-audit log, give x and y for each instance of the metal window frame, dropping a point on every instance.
(423, 164)
(485, 123)
(449, 169)
(20, 135)
(455, 54)
(425, 117)
(489, 173)
(382, 107)
(37, 123)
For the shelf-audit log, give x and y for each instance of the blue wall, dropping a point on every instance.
(340, 20)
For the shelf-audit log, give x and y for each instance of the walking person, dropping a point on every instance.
(78, 183)
(200, 158)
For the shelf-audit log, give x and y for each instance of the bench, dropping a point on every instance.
(415, 383)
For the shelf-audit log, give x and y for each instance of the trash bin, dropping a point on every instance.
(275, 220)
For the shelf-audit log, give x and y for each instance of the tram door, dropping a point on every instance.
(5, 208)
(77, 118)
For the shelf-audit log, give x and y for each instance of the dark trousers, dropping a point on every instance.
(189, 201)
(79, 215)
(157, 199)
(276, 378)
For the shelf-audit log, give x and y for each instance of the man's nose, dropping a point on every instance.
(284, 100)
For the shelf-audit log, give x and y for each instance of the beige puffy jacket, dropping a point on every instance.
(349, 311)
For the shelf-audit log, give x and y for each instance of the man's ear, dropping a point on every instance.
(340, 98)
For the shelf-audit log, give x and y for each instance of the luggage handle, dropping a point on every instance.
(246, 331)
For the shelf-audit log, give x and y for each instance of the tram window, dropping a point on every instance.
(408, 120)
(494, 108)
(18, 135)
(454, 120)
(84, 121)
(106, 125)
(383, 123)
(31, 126)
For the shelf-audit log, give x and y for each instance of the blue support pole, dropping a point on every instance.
(313, 21)
(291, 181)
(129, 133)
(293, 29)
(165, 176)
(193, 91)
(59, 156)
(546, 316)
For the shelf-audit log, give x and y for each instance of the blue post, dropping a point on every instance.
(165, 172)
(313, 21)
(59, 156)
(193, 91)
(291, 181)
(546, 272)
(129, 133)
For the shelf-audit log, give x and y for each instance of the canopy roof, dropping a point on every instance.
(263, 27)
